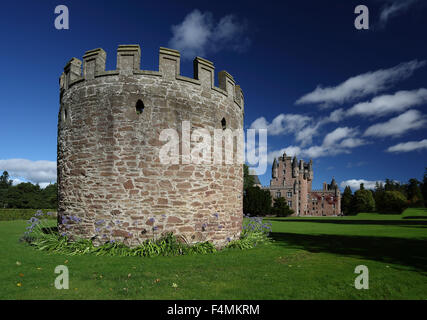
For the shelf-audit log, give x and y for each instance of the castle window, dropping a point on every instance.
(289, 194)
(284, 172)
(290, 204)
(64, 114)
(139, 107)
(278, 194)
(223, 124)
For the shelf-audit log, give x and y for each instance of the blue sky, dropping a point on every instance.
(353, 100)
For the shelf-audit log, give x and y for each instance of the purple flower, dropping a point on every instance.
(228, 239)
(151, 220)
(216, 215)
(155, 228)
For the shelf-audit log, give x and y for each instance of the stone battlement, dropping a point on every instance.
(128, 63)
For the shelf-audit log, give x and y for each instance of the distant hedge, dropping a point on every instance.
(24, 214)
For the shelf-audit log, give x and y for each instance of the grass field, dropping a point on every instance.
(311, 258)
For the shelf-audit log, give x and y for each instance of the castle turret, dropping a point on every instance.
(111, 173)
(274, 169)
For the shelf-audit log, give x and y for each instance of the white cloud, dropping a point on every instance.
(390, 103)
(290, 151)
(410, 120)
(341, 140)
(338, 134)
(198, 34)
(408, 146)
(42, 172)
(361, 85)
(394, 8)
(282, 124)
(354, 184)
(305, 136)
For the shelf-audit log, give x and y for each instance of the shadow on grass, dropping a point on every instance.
(343, 221)
(406, 252)
(415, 217)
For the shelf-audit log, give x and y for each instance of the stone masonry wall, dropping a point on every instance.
(112, 185)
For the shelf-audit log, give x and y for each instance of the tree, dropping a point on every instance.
(5, 182)
(363, 201)
(248, 180)
(414, 194)
(346, 200)
(394, 202)
(256, 201)
(281, 208)
(424, 188)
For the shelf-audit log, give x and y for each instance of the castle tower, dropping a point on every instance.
(109, 171)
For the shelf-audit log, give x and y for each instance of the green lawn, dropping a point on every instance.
(311, 258)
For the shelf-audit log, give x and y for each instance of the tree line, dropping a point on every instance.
(27, 195)
(258, 202)
(388, 197)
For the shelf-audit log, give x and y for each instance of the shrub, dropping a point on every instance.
(392, 202)
(281, 208)
(254, 232)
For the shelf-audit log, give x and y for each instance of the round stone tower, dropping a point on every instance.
(113, 184)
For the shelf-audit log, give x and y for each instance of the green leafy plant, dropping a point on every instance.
(45, 238)
(254, 232)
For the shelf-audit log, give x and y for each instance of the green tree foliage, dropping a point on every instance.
(5, 182)
(281, 208)
(256, 201)
(363, 201)
(424, 188)
(346, 201)
(392, 202)
(248, 180)
(413, 193)
(26, 195)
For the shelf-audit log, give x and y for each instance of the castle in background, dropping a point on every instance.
(292, 179)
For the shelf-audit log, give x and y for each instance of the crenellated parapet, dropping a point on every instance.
(128, 63)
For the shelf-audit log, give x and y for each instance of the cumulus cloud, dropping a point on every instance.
(408, 146)
(198, 34)
(354, 184)
(410, 120)
(340, 140)
(303, 127)
(338, 134)
(361, 85)
(282, 124)
(394, 8)
(390, 103)
(42, 172)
